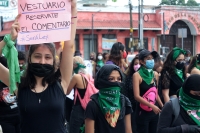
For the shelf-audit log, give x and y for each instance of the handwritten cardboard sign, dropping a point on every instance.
(44, 21)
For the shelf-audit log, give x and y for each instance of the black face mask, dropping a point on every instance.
(41, 70)
(180, 65)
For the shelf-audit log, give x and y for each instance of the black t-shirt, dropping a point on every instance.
(93, 112)
(171, 82)
(7, 108)
(46, 116)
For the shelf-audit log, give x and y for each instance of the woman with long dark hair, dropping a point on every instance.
(173, 73)
(116, 55)
(134, 66)
(194, 66)
(41, 98)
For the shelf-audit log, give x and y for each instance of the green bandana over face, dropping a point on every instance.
(79, 66)
(179, 73)
(147, 75)
(177, 52)
(191, 106)
(100, 63)
(109, 101)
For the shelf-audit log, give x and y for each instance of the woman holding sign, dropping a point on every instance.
(40, 97)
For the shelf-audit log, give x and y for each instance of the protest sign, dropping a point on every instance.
(44, 21)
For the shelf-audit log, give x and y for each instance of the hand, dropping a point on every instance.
(193, 129)
(15, 28)
(156, 110)
(73, 3)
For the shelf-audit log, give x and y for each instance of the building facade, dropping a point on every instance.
(98, 29)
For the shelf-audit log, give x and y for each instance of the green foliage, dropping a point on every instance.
(192, 3)
(179, 2)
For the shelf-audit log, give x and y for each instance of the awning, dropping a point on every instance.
(117, 24)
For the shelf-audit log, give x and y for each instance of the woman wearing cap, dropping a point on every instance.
(184, 116)
(194, 67)
(173, 73)
(144, 83)
(109, 111)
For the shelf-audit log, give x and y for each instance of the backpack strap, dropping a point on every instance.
(175, 108)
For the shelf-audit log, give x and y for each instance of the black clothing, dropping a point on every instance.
(129, 89)
(171, 82)
(76, 119)
(93, 112)
(82, 94)
(9, 113)
(46, 116)
(144, 87)
(167, 117)
(101, 80)
(10, 124)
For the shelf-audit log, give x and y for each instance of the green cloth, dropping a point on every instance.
(190, 104)
(11, 54)
(79, 66)
(147, 75)
(179, 73)
(109, 101)
(100, 63)
(177, 52)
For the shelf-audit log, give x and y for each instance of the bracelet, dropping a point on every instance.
(74, 17)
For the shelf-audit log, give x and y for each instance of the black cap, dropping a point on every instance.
(144, 53)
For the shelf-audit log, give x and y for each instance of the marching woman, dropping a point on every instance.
(40, 97)
(145, 93)
(108, 111)
(173, 73)
(181, 115)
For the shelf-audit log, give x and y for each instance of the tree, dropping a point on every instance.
(173, 2)
(165, 2)
(192, 3)
(181, 2)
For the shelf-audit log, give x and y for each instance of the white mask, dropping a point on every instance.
(100, 57)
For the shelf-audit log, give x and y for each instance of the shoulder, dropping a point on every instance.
(195, 71)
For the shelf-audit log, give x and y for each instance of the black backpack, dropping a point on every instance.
(175, 108)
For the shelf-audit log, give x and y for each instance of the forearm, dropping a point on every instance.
(159, 101)
(166, 98)
(142, 101)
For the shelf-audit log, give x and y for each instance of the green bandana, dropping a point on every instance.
(147, 75)
(100, 63)
(109, 101)
(79, 66)
(191, 106)
(11, 54)
(179, 73)
(177, 52)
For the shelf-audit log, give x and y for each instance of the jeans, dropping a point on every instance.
(76, 119)
(10, 124)
(146, 121)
